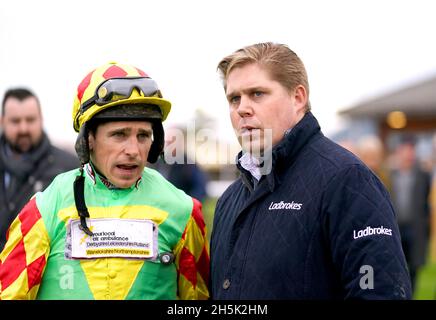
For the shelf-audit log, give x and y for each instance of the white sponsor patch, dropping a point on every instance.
(285, 206)
(369, 231)
(122, 238)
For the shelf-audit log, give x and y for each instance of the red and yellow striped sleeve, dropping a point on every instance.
(23, 259)
(192, 258)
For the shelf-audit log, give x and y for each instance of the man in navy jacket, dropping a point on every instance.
(306, 219)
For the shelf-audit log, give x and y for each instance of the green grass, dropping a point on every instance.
(426, 283)
(208, 212)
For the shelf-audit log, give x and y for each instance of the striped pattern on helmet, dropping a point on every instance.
(88, 85)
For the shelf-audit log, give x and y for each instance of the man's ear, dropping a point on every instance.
(300, 96)
(91, 141)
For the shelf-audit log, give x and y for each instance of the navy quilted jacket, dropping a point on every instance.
(319, 226)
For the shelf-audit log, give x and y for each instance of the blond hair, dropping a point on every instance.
(283, 64)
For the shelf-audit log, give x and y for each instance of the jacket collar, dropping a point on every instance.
(285, 152)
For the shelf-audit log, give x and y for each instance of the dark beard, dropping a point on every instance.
(15, 146)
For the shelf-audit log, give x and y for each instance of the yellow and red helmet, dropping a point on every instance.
(115, 84)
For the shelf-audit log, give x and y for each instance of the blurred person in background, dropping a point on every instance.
(28, 161)
(371, 151)
(432, 236)
(348, 144)
(410, 189)
(178, 168)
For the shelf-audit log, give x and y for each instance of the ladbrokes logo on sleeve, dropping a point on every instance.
(370, 231)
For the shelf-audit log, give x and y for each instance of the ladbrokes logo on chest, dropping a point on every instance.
(285, 205)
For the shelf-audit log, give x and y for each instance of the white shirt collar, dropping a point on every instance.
(251, 164)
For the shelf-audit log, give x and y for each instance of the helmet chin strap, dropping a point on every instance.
(79, 199)
(81, 146)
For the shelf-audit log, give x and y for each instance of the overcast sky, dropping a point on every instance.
(353, 50)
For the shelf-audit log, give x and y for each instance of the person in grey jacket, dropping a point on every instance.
(306, 219)
(28, 161)
(410, 191)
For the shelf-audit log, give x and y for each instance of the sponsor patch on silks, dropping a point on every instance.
(113, 238)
